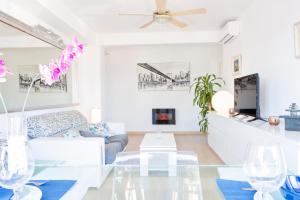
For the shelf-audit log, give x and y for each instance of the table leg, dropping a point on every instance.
(172, 163)
(144, 162)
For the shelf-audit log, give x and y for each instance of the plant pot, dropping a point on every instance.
(210, 108)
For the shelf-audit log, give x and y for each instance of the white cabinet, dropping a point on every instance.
(229, 138)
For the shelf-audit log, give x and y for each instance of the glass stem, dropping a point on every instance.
(17, 194)
(262, 196)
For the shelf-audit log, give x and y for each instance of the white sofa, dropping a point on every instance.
(76, 151)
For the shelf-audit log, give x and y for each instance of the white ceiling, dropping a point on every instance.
(102, 15)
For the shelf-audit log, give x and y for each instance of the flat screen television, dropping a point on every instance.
(246, 95)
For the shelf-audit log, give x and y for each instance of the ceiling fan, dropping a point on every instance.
(162, 15)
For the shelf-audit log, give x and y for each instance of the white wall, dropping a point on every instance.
(266, 44)
(89, 79)
(122, 100)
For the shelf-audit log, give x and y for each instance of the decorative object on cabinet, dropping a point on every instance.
(292, 121)
(274, 121)
(222, 101)
(293, 109)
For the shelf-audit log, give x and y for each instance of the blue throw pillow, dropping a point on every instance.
(100, 129)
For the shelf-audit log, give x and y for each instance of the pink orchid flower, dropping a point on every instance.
(3, 69)
(55, 71)
(63, 64)
(77, 46)
(52, 72)
(56, 74)
(46, 74)
(69, 53)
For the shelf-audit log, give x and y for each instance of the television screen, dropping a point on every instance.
(246, 95)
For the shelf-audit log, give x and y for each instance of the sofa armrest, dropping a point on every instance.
(116, 128)
(78, 151)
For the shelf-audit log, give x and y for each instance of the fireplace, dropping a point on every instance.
(163, 116)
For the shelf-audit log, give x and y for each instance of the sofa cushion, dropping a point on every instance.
(100, 129)
(123, 139)
(55, 124)
(71, 133)
(91, 134)
(111, 151)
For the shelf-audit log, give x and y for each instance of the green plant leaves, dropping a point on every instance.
(205, 88)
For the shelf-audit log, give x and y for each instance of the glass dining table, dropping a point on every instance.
(194, 182)
(125, 180)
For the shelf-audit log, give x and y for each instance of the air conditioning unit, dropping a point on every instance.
(229, 32)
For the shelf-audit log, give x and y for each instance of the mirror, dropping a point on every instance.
(22, 54)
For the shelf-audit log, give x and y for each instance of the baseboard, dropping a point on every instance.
(175, 132)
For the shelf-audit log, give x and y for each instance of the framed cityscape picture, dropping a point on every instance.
(26, 75)
(167, 76)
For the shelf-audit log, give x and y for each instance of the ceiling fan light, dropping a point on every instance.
(162, 19)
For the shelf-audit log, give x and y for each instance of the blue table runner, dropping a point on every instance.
(52, 190)
(232, 190)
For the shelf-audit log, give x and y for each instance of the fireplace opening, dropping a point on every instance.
(163, 116)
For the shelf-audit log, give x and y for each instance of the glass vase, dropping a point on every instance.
(16, 161)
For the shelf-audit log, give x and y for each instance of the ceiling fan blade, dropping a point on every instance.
(147, 24)
(196, 11)
(178, 23)
(134, 14)
(161, 6)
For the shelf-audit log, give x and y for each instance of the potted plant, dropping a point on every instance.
(204, 89)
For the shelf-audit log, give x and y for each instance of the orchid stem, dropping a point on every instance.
(4, 107)
(3, 103)
(28, 92)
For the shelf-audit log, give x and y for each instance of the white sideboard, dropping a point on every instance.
(229, 138)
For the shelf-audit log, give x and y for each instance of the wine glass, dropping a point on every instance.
(16, 161)
(265, 167)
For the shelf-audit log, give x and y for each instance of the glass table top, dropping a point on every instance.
(194, 182)
(186, 182)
